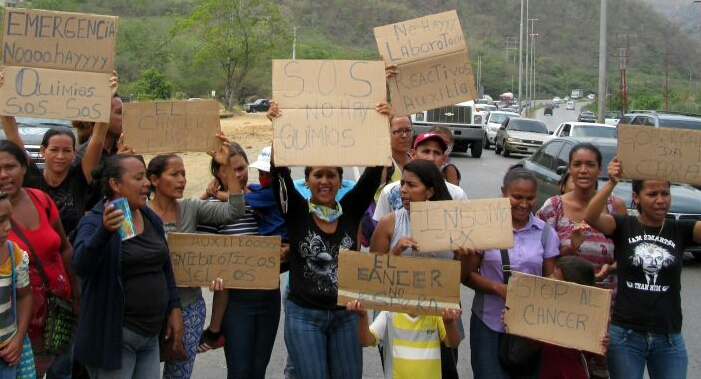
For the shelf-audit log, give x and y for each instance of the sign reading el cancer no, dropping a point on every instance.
(402, 284)
(249, 262)
(671, 154)
(558, 312)
(432, 60)
(57, 64)
(328, 113)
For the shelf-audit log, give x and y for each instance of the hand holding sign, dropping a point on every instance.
(615, 170)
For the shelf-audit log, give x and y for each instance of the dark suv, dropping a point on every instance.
(32, 130)
(260, 105)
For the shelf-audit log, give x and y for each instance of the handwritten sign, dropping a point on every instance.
(432, 60)
(170, 126)
(250, 262)
(57, 64)
(670, 154)
(59, 40)
(329, 115)
(400, 284)
(480, 224)
(558, 312)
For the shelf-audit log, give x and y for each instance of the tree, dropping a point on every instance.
(153, 85)
(237, 34)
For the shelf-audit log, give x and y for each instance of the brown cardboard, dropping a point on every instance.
(401, 284)
(249, 262)
(433, 65)
(444, 225)
(328, 113)
(670, 154)
(59, 40)
(557, 312)
(47, 93)
(171, 126)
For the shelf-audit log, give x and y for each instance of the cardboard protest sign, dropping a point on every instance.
(670, 154)
(249, 262)
(329, 115)
(432, 61)
(557, 312)
(401, 284)
(57, 64)
(171, 126)
(47, 93)
(59, 40)
(480, 224)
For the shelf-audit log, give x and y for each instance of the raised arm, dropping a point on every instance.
(594, 215)
(93, 152)
(9, 125)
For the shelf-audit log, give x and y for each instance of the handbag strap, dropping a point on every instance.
(505, 265)
(40, 269)
(12, 275)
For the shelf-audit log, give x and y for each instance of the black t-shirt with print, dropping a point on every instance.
(649, 274)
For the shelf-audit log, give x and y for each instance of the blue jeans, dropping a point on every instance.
(140, 359)
(7, 372)
(484, 352)
(629, 351)
(193, 323)
(323, 341)
(250, 326)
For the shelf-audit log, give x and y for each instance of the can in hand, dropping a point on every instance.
(126, 230)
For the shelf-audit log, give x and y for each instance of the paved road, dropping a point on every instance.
(481, 179)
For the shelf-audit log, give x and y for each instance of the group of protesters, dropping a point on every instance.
(60, 231)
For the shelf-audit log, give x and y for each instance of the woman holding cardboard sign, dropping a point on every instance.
(421, 181)
(166, 174)
(321, 336)
(535, 252)
(646, 322)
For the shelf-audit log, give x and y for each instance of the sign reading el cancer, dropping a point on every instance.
(671, 154)
(249, 262)
(432, 60)
(57, 64)
(401, 284)
(558, 312)
(328, 113)
(479, 224)
(169, 126)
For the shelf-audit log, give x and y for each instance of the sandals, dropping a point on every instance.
(210, 340)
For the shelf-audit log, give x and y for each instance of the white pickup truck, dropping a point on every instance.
(463, 119)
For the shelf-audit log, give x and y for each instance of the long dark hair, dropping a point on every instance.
(637, 185)
(431, 177)
(576, 270)
(586, 146)
(516, 173)
(57, 132)
(234, 150)
(11, 148)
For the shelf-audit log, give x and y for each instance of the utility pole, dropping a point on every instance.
(520, 58)
(294, 42)
(666, 80)
(510, 43)
(624, 56)
(533, 81)
(602, 63)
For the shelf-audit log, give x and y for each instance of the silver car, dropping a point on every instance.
(494, 121)
(520, 135)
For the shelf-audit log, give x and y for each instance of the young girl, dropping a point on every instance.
(562, 362)
(14, 319)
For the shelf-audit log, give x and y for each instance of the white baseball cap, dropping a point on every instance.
(263, 161)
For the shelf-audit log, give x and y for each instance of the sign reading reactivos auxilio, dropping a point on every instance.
(328, 113)
(432, 60)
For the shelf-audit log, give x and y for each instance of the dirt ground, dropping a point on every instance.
(252, 131)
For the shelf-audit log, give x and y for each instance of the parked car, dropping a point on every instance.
(570, 105)
(260, 105)
(550, 161)
(585, 129)
(612, 117)
(494, 121)
(520, 135)
(591, 96)
(548, 110)
(32, 130)
(586, 116)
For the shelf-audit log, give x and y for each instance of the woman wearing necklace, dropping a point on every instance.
(166, 174)
(321, 337)
(646, 322)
